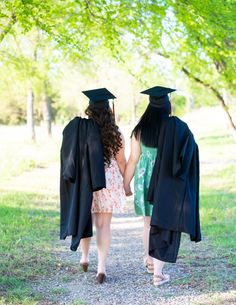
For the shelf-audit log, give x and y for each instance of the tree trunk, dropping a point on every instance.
(47, 114)
(217, 94)
(30, 114)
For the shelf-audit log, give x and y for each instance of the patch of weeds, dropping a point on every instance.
(66, 279)
(184, 280)
(58, 291)
(78, 303)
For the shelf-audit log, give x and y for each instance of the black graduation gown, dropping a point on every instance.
(82, 172)
(174, 191)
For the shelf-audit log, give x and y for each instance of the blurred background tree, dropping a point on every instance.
(52, 50)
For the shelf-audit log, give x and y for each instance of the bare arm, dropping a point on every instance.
(120, 157)
(131, 165)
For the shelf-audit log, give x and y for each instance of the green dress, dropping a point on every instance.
(142, 178)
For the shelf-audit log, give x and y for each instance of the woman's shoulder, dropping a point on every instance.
(176, 120)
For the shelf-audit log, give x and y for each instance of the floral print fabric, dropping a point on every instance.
(142, 179)
(112, 198)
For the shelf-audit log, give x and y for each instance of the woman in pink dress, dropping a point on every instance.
(112, 198)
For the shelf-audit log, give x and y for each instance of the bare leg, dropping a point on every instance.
(159, 277)
(85, 245)
(158, 266)
(103, 236)
(146, 230)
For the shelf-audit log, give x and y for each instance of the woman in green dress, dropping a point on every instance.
(144, 142)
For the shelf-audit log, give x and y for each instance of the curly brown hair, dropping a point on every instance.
(111, 136)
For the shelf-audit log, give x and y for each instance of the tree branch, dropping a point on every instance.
(215, 91)
(8, 27)
(88, 7)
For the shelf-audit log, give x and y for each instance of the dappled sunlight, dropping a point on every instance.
(44, 181)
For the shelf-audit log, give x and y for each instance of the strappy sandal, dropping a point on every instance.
(149, 266)
(160, 279)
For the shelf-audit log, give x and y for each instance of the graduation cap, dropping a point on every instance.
(99, 97)
(158, 95)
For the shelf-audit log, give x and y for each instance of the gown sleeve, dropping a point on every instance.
(183, 159)
(96, 158)
(68, 151)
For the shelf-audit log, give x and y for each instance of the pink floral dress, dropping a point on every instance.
(112, 198)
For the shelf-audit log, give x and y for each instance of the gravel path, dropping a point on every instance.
(128, 282)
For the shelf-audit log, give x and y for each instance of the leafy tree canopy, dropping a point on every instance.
(198, 36)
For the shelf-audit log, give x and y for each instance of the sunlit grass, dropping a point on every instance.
(27, 232)
(218, 218)
(214, 265)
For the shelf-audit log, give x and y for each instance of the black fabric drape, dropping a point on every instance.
(174, 189)
(82, 172)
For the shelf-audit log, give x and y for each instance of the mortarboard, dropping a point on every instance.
(158, 95)
(99, 97)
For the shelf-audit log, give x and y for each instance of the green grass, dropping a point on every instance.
(213, 265)
(29, 221)
(218, 195)
(27, 231)
(58, 291)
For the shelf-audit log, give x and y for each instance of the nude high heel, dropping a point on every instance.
(101, 277)
(84, 266)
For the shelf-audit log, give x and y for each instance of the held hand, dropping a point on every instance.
(128, 191)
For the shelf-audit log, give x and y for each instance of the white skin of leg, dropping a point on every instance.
(103, 236)
(85, 245)
(146, 230)
(158, 266)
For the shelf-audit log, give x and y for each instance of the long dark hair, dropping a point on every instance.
(111, 136)
(148, 128)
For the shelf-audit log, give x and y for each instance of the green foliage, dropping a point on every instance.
(178, 105)
(198, 36)
(206, 34)
(64, 112)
